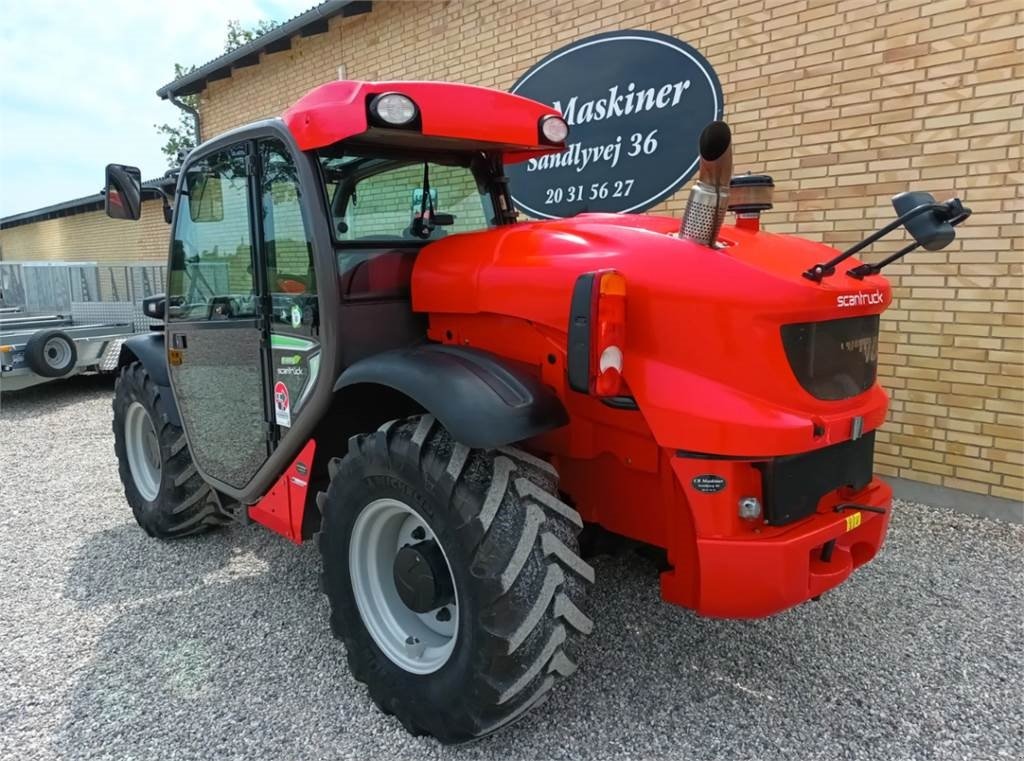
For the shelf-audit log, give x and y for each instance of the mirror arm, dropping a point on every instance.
(168, 213)
(820, 271)
(873, 269)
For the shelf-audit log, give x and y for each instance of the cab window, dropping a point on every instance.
(288, 250)
(211, 273)
(378, 199)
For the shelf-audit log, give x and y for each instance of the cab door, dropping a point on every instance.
(215, 330)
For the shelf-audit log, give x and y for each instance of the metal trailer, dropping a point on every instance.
(59, 319)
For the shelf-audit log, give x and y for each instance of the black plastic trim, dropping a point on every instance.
(691, 455)
(620, 402)
(484, 401)
(148, 348)
(578, 348)
(794, 484)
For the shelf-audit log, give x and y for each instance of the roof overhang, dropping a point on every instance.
(313, 21)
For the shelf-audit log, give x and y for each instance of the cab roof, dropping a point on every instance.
(453, 115)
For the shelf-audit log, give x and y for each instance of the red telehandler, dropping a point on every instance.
(363, 344)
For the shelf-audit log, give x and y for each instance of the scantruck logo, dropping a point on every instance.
(859, 299)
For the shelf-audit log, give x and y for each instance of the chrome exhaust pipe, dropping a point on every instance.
(709, 196)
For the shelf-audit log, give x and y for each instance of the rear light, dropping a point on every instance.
(597, 334)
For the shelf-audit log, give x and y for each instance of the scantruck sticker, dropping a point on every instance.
(859, 299)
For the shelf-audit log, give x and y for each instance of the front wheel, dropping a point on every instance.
(454, 578)
(167, 495)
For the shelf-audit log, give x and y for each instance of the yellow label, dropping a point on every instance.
(852, 521)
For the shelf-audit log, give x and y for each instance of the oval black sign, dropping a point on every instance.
(636, 103)
(708, 483)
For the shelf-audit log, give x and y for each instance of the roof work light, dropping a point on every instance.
(394, 109)
(554, 129)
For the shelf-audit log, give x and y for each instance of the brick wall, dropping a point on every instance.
(90, 237)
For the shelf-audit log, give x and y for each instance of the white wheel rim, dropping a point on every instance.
(143, 449)
(419, 643)
(57, 353)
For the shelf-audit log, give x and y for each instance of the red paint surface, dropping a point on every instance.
(282, 508)
(703, 359)
(705, 362)
(338, 110)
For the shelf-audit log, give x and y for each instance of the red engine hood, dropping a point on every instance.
(704, 356)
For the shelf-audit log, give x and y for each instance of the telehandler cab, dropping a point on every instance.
(362, 343)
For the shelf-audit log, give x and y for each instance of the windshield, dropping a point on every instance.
(372, 198)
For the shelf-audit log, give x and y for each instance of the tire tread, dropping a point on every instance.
(186, 504)
(521, 539)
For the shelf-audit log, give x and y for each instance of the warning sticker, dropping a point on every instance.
(282, 405)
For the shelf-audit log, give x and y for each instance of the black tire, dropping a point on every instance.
(184, 503)
(51, 354)
(512, 548)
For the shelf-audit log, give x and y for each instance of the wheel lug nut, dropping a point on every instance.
(444, 615)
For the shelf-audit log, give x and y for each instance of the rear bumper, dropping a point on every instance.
(756, 574)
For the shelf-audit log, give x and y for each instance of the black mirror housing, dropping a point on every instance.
(122, 197)
(155, 307)
(930, 229)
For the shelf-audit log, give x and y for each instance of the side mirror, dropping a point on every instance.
(931, 230)
(155, 307)
(122, 198)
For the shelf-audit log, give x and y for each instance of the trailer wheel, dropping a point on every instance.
(51, 353)
(167, 495)
(454, 578)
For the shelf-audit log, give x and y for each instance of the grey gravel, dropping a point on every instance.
(117, 646)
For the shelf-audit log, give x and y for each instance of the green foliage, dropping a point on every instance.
(181, 137)
(239, 35)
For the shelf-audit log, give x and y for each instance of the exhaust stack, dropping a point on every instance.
(709, 196)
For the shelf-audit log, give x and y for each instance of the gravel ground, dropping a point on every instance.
(121, 647)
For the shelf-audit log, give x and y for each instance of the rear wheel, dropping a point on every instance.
(167, 495)
(454, 578)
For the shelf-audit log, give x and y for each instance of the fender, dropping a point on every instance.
(484, 401)
(148, 348)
